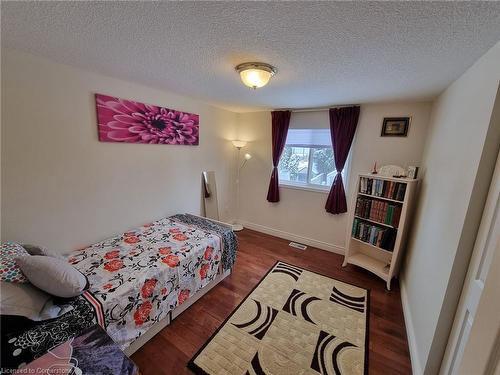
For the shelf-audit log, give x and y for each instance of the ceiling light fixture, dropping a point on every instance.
(255, 74)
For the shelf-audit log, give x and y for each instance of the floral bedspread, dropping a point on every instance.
(143, 274)
(229, 239)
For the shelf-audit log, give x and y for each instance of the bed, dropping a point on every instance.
(138, 282)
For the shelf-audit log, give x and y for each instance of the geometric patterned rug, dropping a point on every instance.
(293, 322)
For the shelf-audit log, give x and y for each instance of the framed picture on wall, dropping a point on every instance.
(412, 171)
(395, 126)
(127, 121)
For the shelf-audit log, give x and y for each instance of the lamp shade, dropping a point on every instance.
(248, 156)
(255, 78)
(255, 75)
(239, 144)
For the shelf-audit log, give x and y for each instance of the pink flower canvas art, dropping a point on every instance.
(126, 121)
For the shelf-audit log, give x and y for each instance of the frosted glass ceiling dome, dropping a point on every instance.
(255, 74)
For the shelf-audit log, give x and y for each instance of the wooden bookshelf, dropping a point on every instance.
(381, 198)
(383, 258)
(374, 222)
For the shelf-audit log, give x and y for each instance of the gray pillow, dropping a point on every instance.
(53, 275)
(41, 250)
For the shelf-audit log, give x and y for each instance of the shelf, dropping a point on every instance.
(373, 265)
(396, 179)
(374, 222)
(369, 244)
(382, 198)
(383, 263)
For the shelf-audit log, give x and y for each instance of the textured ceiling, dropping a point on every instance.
(325, 52)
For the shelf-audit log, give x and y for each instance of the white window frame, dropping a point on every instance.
(313, 187)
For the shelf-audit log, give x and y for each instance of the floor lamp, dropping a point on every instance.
(239, 144)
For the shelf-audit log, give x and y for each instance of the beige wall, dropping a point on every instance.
(458, 163)
(64, 189)
(300, 215)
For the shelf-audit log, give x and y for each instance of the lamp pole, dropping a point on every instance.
(237, 226)
(239, 144)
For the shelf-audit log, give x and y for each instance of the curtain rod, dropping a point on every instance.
(317, 109)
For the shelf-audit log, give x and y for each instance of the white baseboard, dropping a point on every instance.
(293, 237)
(410, 330)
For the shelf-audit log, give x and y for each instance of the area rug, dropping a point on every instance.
(294, 322)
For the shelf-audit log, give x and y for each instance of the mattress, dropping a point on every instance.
(141, 275)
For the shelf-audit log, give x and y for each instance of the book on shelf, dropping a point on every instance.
(379, 211)
(383, 238)
(382, 188)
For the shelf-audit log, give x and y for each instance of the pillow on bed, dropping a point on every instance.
(22, 299)
(41, 250)
(52, 275)
(9, 270)
(28, 301)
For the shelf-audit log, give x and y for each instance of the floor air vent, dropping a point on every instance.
(297, 245)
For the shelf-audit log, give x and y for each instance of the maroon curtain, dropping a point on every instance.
(280, 122)
(343, 122)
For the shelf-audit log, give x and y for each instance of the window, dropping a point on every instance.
(307, 159)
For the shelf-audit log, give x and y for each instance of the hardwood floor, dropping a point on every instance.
(170, 350)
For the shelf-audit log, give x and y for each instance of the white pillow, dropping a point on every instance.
(28, 301)
(22, 299)
(53, 275)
